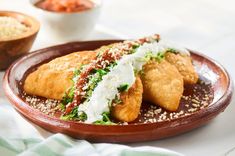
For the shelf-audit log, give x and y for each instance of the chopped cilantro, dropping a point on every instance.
(108, 68)
(101, 72)
(159, 56)
(77, 72)
(68, 97)
(141, 72)
(123, 87)
(171, 50)
(94, 80)
(138, 72)
(105, 120)
(150, 56)
(117, 100)
(135, 46)
(82, 116)
(134, 49)
(75, 115)
(62, 106)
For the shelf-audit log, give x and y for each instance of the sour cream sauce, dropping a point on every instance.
(122, 73)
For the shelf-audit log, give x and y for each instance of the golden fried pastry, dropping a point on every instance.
(184, 65)
(52, 79)
(129, 109)
(108, 73)
(163, 84)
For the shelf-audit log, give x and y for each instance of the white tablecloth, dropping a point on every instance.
(203, 25)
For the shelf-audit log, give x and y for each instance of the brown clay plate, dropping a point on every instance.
(200, 103)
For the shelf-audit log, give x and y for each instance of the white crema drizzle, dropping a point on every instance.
(122, 73)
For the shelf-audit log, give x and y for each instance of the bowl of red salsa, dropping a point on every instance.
(67, 20)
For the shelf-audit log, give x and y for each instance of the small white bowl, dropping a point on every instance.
(62, 26)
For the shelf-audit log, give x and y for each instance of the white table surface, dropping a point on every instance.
(207, 26)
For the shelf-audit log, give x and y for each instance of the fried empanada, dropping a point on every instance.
(129, 109)
(184, 65)
(163, 84)
(53, 79)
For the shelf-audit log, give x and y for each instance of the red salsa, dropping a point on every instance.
(65, 5)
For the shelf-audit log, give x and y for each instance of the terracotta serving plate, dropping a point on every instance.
(217, 80)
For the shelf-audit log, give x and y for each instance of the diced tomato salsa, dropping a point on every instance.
(65, 5)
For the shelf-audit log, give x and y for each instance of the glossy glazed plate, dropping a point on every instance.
(216, 82)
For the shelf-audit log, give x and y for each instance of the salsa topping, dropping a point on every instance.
(65, 5)
(87, 78)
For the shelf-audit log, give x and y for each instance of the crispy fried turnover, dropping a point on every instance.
(163, 84)
(52, 79)
(129, 109)
(184, 65)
